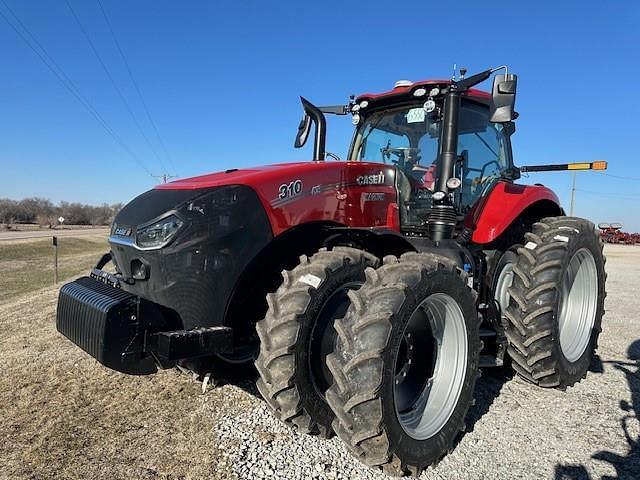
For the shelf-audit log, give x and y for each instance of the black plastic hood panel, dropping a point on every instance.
(194, 276)
(152, 204)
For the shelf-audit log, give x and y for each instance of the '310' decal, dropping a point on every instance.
(290, 189)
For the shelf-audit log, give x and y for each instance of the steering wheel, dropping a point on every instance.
(405, 154)
(483, 180)
(486, 165)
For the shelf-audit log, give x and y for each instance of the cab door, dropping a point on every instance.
(484, 154)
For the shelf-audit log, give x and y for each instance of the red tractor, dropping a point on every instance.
(367, 292)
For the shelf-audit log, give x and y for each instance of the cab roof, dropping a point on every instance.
(398, 92)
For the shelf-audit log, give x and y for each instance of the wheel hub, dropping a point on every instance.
(406, 358)
(430, 366)
(578, 304)
(504, 282)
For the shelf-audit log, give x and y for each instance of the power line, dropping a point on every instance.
(135, 83)
(601, 194)
(632, 179)
(59, 73)
(113, 82)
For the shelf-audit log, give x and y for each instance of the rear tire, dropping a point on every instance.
(297, 334)
(557, 302)
(400, 399)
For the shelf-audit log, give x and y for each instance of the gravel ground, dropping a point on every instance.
(64, 416)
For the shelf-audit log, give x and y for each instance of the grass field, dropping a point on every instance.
(27, 266)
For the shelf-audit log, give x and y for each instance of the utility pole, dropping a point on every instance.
(165, 177)
(573, 194)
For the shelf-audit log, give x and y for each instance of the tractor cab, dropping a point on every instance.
(449, 143)
(406, 132)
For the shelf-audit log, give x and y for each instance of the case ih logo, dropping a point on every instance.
(124, 231)
(373, 179)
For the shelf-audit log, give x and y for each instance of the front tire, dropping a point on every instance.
(557, 302)
(405, 364)
(297, 334)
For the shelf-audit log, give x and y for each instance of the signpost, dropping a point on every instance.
(55, 253)
(55, 260)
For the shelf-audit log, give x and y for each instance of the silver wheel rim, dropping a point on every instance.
(505, 280)
(425, 405)
(578, 304)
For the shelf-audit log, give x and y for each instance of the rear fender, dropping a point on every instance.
(507, 202)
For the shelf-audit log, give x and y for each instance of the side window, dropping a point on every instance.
(481, 145)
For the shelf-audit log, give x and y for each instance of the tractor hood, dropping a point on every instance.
(296, 193)
(235, 176)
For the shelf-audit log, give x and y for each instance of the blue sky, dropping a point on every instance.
(221, 81)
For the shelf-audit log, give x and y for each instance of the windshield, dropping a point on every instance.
(406, 136)
(409, 138)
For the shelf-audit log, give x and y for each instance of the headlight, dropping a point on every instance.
(158, 234)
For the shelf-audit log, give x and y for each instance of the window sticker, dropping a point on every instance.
(416, 115)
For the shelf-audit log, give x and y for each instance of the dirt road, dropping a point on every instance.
(62, 415)
(10, 235)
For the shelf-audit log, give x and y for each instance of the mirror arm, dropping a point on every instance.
(335, 109)
(473, 80)
(469, 82)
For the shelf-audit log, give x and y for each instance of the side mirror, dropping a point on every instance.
(503, 98)
(303, 131)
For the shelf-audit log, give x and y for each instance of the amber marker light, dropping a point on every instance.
(599, 165)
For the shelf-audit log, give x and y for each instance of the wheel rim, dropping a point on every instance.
(578, 304)
(430, 366)
(505, 279)
(323, 335)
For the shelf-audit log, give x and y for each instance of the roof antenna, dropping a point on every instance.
(455, 67)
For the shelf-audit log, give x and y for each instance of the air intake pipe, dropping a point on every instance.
(315, 115)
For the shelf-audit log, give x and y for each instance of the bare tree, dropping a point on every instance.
(43, 212)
